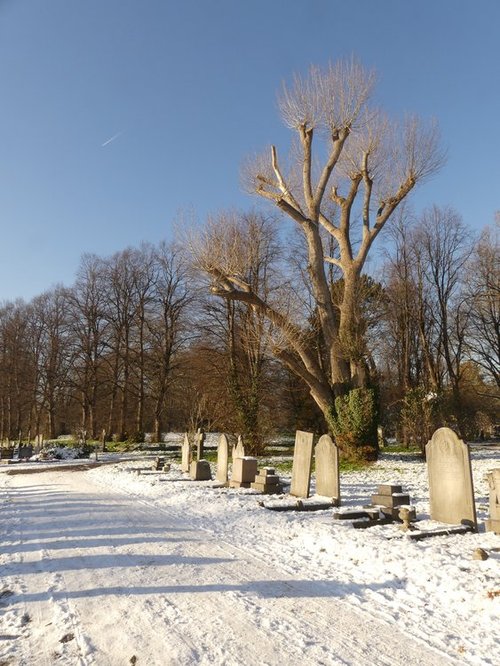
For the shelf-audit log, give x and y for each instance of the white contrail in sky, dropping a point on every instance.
(111, 139)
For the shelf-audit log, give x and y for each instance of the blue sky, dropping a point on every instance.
(190, 89)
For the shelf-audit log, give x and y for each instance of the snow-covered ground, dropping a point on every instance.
(112, 566)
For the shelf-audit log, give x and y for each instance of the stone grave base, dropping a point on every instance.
(390, 496)
(267, 482)
(244, 472)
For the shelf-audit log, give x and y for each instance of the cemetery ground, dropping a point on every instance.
(111, 566)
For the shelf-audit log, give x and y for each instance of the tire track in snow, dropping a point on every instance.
(290, 627)
(203, 600)
(58, 618)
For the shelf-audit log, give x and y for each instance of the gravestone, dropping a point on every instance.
(302, 464)
(493, 524)
(239, 449)
(380, 437)
(222, 459)
(244, 472)
(327, 469)
(199, 470)
(186, 454)
(199, 440)
(451, 490)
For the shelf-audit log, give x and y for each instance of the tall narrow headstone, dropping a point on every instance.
(239, 449)
(302, 464)
(327, 469)
(186, 454)
(199, 440)
(451, 489)
(222, 459)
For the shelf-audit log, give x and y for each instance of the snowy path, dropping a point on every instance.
(127, 582)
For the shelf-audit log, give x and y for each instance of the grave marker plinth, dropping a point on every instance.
(244, 472)
(267, 482)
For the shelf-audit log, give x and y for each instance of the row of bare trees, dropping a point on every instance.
(99, 354)
(441, 325)
(137, 344)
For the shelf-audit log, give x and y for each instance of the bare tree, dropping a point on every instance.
(443, 246)
(166, 328)
(87, 300)
(237, 338)
(55, 353)
(371, 166)
(483, 290)
(17, 371)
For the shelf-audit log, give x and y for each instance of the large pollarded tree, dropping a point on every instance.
(350, 167)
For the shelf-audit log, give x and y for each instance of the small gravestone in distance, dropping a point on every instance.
(451, 490)
(199, 440)
(199, 470)
(222, 459)
(302, 464)
(239, 449)
(186, 454)
(327, 469)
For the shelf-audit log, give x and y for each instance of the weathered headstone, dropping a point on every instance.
(199, 440)
(239, 449)
(451, 489)
(302, 464)
(199, 470)
(222, 459)
(186, 454)
(244, 472)
(493, 524)
(327, 469)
